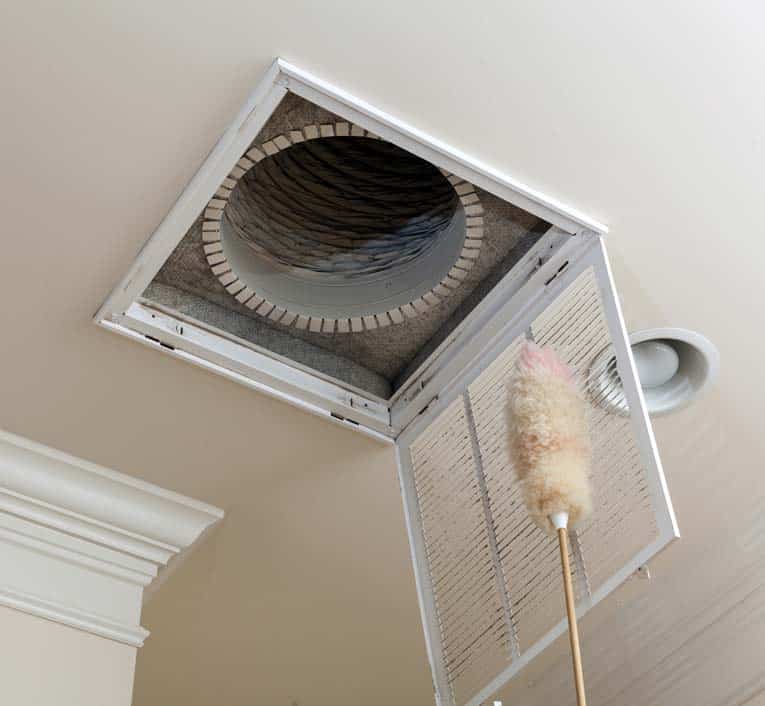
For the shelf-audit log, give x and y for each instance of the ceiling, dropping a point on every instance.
(648, 117)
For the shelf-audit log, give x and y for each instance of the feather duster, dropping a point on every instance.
(549, 439)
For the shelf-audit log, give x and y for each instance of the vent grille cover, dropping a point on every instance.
(489, 580)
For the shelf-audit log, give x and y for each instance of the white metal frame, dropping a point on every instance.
(511, 321)
(124, 313)
(444, 367)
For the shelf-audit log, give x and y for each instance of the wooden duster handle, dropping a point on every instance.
(573, 632)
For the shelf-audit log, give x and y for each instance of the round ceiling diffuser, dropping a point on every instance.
(333, 229)
(674, 366)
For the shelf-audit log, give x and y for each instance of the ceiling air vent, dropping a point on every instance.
(333, 256)
(339, 259)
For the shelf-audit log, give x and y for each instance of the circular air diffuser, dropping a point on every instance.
(673, 365)
(332, 227)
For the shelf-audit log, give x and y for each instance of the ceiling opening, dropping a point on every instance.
(341, 252)
(335, 257)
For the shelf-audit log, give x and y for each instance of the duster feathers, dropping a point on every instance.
(549, 439)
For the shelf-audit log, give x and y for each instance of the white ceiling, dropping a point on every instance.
(647, 116)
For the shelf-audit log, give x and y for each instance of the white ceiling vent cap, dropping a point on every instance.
(674, 365)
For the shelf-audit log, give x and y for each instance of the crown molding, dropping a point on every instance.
(80, 543)
(80, 619)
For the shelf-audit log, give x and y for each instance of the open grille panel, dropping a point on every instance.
(489, 580)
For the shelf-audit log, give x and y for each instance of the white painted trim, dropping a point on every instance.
(79, 543)
(107, 498)
(640, 421)
(80, 619)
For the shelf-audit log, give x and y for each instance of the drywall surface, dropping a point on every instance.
(43, 663)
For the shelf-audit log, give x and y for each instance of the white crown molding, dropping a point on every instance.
(79, 543)
(80, 619)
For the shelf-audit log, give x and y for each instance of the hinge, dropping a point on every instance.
(334, 415)
(557, 272)
(161, 343)
(428, 405)
(362, 403)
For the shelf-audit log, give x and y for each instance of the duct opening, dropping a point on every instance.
(339, 253)
(342, 227)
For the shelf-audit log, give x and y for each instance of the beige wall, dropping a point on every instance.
(47, 664)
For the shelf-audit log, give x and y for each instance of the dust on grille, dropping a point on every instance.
(494, 574)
